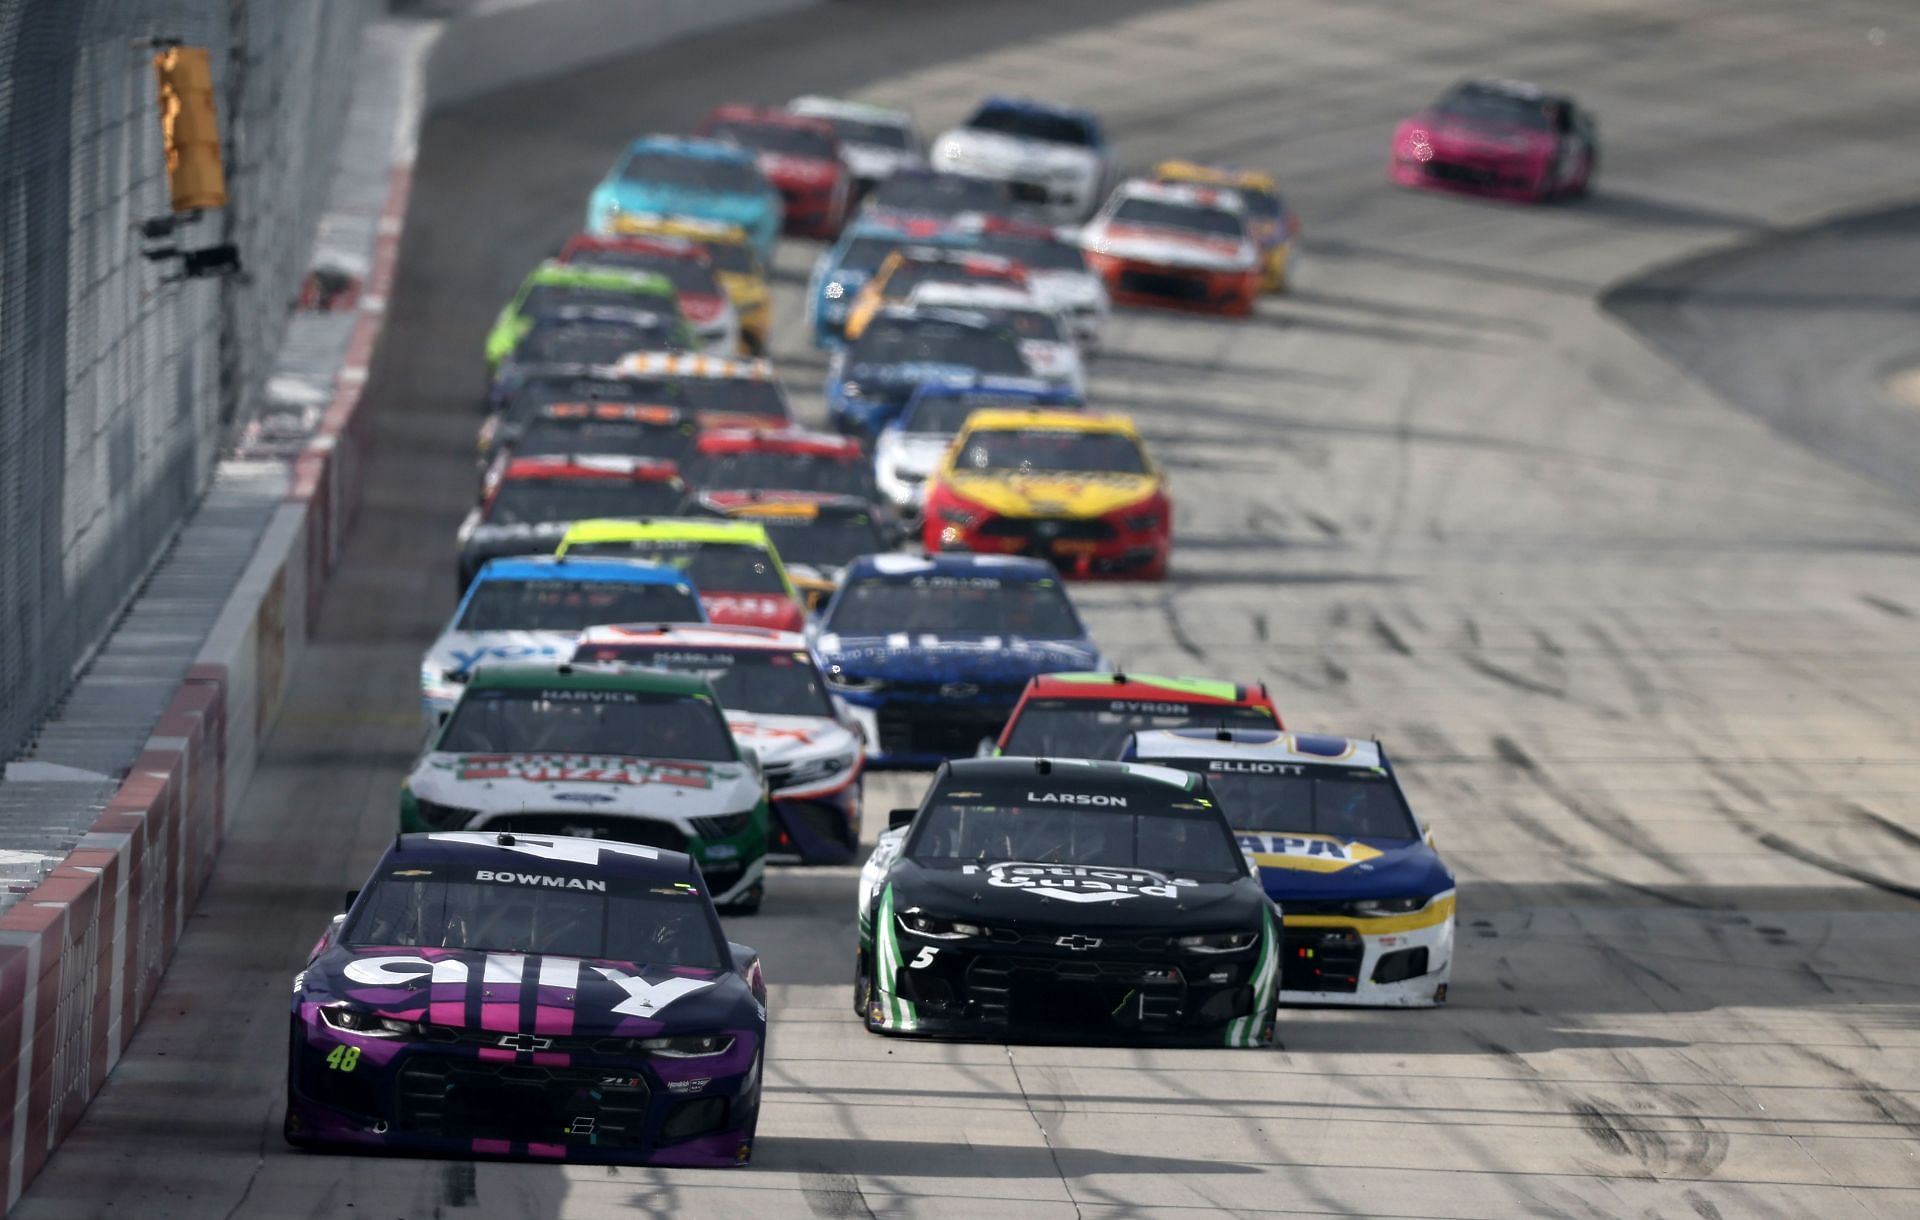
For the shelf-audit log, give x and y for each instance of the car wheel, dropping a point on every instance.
(862, 986)
(747, 905)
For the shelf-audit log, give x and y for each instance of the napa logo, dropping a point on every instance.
(1306, 853)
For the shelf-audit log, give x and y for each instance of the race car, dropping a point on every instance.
(929, 195)
(709, 180)
(732, 563)
(911, 266)
(800, 156)
(870, 380)
(534, 609)
(729, 249)
(514, 995)
(718, 393)
(1274, 227)
(554, 286)
(1369, 904)
(576, 335)
(1074, 487)
(777, 705)
(910, 448)
(611, 752)
(844, 268)
(526, 503)
(1057, 272)
(875, 141)
(780, 460)
(1062, 899)
(1177, 246)
(518, 397)
(1046, 337)
(816, 533)
(1507, 139)
(931, 653)
(612, 429)
(1091, 715)
(703, 302)
(1053, 158)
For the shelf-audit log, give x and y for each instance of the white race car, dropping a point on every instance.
(1046, 338)
(875, 141)
(1175, 245)
(1053, 158)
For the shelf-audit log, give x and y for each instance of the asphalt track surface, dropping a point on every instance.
(1648, 666)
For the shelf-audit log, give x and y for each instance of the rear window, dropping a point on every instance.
(1098, 728)
(687, 276)
(713, 567)
(777, 138)
(1187, 217)
(574, 605)
(539, 501)
(594, 342)
(781, 472)
(695, 173)
(1034, 125)
(614, 437)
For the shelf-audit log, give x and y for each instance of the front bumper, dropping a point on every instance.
(915, 725)
(816, 824)
(1132, 281)
(1088, 548)
(1493, 175)
(455, 1096)
(1390, 962)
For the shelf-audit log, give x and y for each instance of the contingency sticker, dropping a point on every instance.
(1307, 853)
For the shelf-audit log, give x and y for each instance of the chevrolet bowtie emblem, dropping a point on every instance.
(1077, 942)
(525, 1042)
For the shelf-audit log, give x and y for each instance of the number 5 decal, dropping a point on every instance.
(924, 960)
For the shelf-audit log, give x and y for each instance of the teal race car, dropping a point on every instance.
(680, 176)
(553, 286)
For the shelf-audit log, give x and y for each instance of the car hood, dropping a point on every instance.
(703, 309)
(972, 658)
(787, 739)
(1023, 896)
(459, 652)
(737, 206)
(585, 783)
(907, 373)
(1332, 867)
(877, 161)
(546, 996)
(1452, 135)
(1054, 495)
(1065, 289)
(914, 452)
(1169, 247)
(970, 145)
(523, 538)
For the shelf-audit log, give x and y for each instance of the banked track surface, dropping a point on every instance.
(1646, 666)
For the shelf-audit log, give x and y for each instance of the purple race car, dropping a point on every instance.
(511, 995)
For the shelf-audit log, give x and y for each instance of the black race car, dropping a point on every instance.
(1061, 899)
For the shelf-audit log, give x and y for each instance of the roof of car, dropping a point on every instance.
(607, 569)
(1201, 173)
(567, 675)
(667, 245)
(567, 315)
(778, 505)
(1264, 745)
(693, 146)
(799, 441)
(1011, 387)
(1053, 420)
(1012, 568)
(989, 294)
(631, 412)
(693, 364)
(590, 466)
(563, 855)
(698, 228)
(1129, 685)
(1191, 194)
(1034, 105)
(844, 108)
(667, 529)
(1070, 772)
(680, 635)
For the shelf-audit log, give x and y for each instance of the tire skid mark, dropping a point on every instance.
(1384, 631)
(1786, 847)
(1607, 822)
(1646, 695)
(1889, 1105)
(1909, 837)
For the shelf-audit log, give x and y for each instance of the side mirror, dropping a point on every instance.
(353, 896)
(988, 748)
(896, 818)
(750, 756)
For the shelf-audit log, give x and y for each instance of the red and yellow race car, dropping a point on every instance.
(1175, 245)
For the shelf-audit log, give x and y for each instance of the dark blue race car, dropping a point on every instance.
(930, 654)
(870, 380)
(525, 996)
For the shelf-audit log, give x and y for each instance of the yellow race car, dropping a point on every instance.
(735, 265)
(1274, 227)
(1073, 487)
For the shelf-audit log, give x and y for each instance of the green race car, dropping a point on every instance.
(610, 752)
(554, 286)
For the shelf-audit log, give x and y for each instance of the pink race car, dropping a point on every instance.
(1500, 138)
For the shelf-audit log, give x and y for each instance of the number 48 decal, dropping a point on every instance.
(343, 1058)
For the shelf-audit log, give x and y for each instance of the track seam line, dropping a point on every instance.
(1053, 1154)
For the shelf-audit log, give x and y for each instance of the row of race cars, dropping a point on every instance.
(689, 626)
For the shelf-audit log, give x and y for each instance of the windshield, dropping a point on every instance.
(1033, 125)
(776, 138)
(1286, 798)
(1186, 217)
(574, 605)
(954, 605)
(1035, 253)
(688, 277)
(694, 173)
(1098, 728)
(738, 395)
(1051, 449)
(757, 680)
(829, 542)
(940, 194)
(623, 920)
(537, 501)
(1475, 103)
(551, 298)
(946, 414)
(1174, 833)
(925, 341)
(867, 253)
(1261, 202)
(782, 472)
(577, 720)
(613, 437)
(595, 342)
(546, 389)
(913, 272)
(859, 131)
(713, 567)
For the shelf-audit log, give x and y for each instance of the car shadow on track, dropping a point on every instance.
(916, 1158)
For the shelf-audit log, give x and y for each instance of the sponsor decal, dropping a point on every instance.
(525, 1043)
(566, 850)
(576, 769)
(1244, 766)
(584, 798)
(1078, 883)
(1078, 798)
(542, 879)
(1143, 707)
(642, 998)
(1078, 942)
(1307, 853)
(464, 659)
(590, 696)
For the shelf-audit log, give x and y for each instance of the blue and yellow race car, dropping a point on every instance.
(678, 176)
(1367, 902)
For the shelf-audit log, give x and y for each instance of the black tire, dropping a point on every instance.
(862, 986)
(749, 905)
